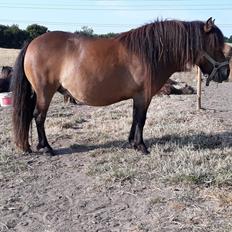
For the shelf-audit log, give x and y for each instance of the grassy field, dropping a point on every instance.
(97, 183)
(8, 56)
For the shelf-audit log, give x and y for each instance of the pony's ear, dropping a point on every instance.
(209, 25)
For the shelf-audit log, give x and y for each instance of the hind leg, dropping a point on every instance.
(40, 114)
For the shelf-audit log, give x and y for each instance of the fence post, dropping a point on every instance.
(198, 88)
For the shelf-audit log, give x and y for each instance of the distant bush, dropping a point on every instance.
(88, 31)
(228, 40)
(14, 37)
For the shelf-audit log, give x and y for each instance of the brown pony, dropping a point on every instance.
(100, 72)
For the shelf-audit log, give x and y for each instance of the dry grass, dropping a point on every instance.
(97, 183)
(183, 150)
(8, 56)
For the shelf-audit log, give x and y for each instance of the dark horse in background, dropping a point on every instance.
(5, 79)
(100, 72)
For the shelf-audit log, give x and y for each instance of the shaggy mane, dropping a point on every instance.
(170, 42)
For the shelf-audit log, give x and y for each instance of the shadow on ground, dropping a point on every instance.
(199, 141)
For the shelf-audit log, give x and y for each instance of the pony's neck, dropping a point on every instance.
(173, 45)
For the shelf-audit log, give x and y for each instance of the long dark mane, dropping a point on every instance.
(168, 42)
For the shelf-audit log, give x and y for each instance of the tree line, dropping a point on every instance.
(14, 37)
(228, 40)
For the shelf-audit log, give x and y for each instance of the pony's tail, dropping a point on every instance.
(24, 100)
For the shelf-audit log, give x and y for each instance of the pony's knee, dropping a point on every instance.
(39, 116)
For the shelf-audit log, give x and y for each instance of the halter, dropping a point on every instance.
(216, 66)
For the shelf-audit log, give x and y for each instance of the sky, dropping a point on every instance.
(105, 16)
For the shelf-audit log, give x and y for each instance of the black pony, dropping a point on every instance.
(5, 79)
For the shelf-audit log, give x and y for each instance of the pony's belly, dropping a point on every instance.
(102, 86)
(101, 92)
(100, 97)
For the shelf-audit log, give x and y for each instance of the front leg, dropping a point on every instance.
(140, 107)
(133, 127)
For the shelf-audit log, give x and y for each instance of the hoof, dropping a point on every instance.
(131, 143)
(46, 150)
(27, 151)
(142, 148)
(49, 151)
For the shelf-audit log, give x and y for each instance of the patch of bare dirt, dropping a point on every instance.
(97, 183)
